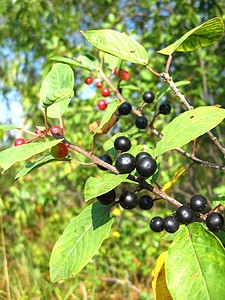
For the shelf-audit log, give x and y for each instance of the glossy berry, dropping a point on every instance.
(198, 203)
(19, 142)
(105, 92)
(116, 71)
(146, 166)
(184, 215)
(141, 155)
(56, 129)
(59, 151)
(107, 198)
(124, 75)
(145, 202)
(88, 80)
(141, 122)
(148, 97)
(99, 85)
(125, 108)
(215, 221)
(125, 163)
(157, 224)
(171, 224)
(128, 200)
(106, 158)
(102, 104)
(164, 109)
(38, 131)
(122, 143)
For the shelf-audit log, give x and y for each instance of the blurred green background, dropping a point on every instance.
(36, 208)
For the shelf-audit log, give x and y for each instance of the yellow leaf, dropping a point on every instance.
(159, 285)
(168, 186)
(116, 212)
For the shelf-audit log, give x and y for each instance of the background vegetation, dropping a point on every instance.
(35, 209)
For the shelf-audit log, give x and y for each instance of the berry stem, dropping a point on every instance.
(82, 163)
(168, 63)
(153, 72)
(61, 125)
(46, 123)
(215, 208)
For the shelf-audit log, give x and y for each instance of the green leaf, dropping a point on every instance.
(8, 127)
(130, 87)
(110, 110)
(13, 155)
(117, 44)
(188, 126)
(80, 241)
(41, 161)
(111, 61)
(196, 262)
(219, 200)
(206, 34)
(88, 60)
(71, 62)
(96, 186)
(57, 87)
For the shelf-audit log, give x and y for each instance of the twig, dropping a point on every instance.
(168, 63)
(153, 72)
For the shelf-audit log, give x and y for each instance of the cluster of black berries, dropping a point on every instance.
(142, 122)
(185, 215)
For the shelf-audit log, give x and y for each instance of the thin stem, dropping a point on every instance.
(168, 63)
(215, 208)
(46, 123)
(153, 72)
(82, 163)
(61, 125)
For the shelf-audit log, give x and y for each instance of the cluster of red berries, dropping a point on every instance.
(185, 215)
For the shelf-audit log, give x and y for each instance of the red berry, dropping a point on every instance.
(59, 151)
(56, 129)
(102, 104)
(38, 131)
(124, 75)
(19, 142)
(88, 80)
(99, 84)
(116, 71)
(105, 92)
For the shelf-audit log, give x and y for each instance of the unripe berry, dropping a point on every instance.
(198, 203)
(105, 92)
(19, 142)
(88, 80)
(164, 109)
(56, 129)
(215, 221)
(146, 166)
(145, 202)
(122, 143)
(102, 104)
(99, 84)
(125, 163)
(128, 200)
(141, 122)
(157, 224)
(59, 151)
(184, 215)
(106, 158)
(125, 108)
(148, 97)
(107, 198)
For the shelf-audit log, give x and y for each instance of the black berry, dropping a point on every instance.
(107, 198)
(122, 143)
(215, 221)
(145, 202)
(141, 122)
(146, 166)
(128, 200)
(171, 224)
(157, 224)
(141, 155)
(125, 108)
(184, 215)
(148, 97)
(198, 203)
(164, 109)
(125, 163)
(106, 158)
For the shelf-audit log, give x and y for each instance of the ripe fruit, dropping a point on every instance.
(102, 104)
(105, 92)
(146, 202)
(125, 108)
(198, 203)
(215, 221)
(38, 131)
(106, 158)
(99, 85)
(124, 75)
(125, 163)
(157, 224)
(128, 200)
(122, 143)
(88, 80)
(116, 71)
(59, 151)
(171, 224)
(148, 97)
(141, 122)
(164, 109)
(184, 215)
(19, 142)
(56, 129)
(146, 166)
(141, 155)
(107, 198)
